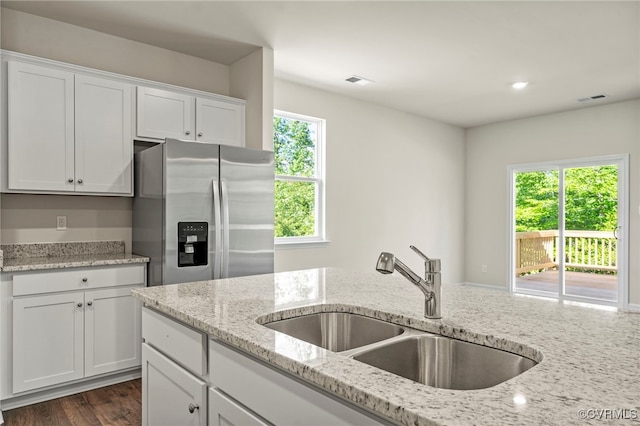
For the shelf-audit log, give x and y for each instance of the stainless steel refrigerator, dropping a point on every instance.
(203, 211)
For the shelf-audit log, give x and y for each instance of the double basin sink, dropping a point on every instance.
(426, 358)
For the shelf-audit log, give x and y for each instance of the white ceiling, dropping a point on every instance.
(448, 60)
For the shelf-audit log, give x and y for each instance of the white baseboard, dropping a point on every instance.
(632, 307)
(485, 286)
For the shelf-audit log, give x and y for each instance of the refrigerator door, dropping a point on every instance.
(246, 183)
(192, 238)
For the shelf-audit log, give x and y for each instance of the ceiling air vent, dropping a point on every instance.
(358, 80)
(592, 98)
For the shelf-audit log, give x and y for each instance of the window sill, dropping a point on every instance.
(293, 245)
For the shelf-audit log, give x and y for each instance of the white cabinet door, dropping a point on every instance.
(47, 340)
(103, 136)
(170, 395)
(224, 411)
(163, 114)
(112, 331)
(40, 128)
(219, 122)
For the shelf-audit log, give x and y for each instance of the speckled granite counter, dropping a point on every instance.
(590, 358)
(32, 257)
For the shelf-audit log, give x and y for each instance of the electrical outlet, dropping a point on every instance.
(484, 268)
(61, 223)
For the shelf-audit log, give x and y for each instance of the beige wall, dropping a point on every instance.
(247, 83)
(47, 38)
(32, 218)
(587, 132)
(392, 179)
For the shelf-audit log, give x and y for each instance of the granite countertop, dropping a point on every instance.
(39, 256)
(589, 357)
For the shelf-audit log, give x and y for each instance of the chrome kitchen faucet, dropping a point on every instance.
(430, 285)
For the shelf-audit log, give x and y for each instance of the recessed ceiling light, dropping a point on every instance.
(358, 80)
(519, 85)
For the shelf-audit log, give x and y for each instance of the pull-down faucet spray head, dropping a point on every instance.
(430, 285)
(387, 263)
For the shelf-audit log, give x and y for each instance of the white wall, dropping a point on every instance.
(587, 132)
(393, 179)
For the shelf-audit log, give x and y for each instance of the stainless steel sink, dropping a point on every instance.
(443, 362)
(336, 331)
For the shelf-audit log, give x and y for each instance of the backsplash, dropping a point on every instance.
(13, 251)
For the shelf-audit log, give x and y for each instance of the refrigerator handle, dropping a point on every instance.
(217, 260)
(225, 228)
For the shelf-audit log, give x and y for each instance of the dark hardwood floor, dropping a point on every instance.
(119, 404)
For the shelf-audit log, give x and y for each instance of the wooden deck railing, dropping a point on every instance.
(537, 250)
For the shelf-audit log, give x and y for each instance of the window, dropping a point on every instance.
(299, 188)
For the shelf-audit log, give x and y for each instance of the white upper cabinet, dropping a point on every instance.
(219, 122)
(166, 114)
(104, 142)
(163, 114)
(40, 128)
(70, 129)
(68, 132)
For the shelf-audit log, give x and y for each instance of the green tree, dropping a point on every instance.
(536, 201)
(591, 195)
(591, 199)
(294, 150)
(293, 147)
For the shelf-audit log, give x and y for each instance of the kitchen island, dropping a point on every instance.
(589, 358)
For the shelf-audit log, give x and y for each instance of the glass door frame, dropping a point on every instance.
(622, 161)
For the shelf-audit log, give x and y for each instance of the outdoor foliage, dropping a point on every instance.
(591, 199)
(294, 149)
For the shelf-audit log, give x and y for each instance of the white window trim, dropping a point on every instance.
(318, 239)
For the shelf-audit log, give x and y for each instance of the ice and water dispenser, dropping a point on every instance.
(192, 243)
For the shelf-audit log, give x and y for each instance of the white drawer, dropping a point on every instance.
(182, 343)
(49, 281)
(277, 397)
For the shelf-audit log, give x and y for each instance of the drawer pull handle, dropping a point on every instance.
(193, 407)
(85, 279)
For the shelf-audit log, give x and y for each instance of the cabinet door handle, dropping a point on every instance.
(79, 304)
(70, 180)
(188, 132)
(89, 303)
(199, 134)
(193, 407)
(79, 180)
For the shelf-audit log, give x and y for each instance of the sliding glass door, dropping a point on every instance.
(567, 230)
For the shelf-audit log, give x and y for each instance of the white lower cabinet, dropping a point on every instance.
(62, 336)
(170, 394)
(48, 340)
(224, 411)
(112, 334)
(242, 391)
